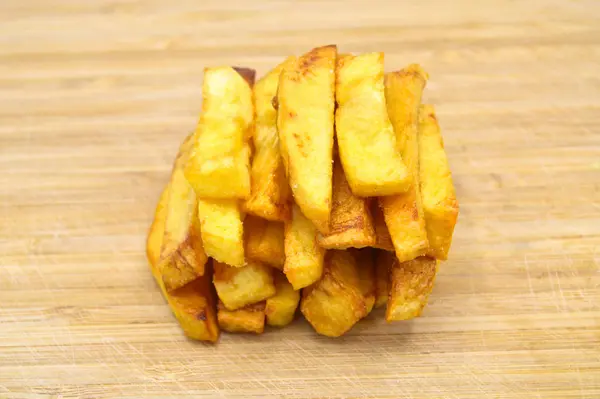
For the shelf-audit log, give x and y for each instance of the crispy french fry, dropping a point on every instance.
(303, 255)
(306, 100)
(193, 304)
(382, 235)
(270, 194)
(336, 302)
(281, 307)
(264, 241)
(439, 199)
(404, 212)
(366, 140)
(222, 230)
(350, 224)
(249, 319)
(241, 286)
(410, 285)
(219, 163)
(383, 264)
(366, 274)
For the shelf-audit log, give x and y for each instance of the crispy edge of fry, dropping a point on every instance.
(439, 197)
(303, 256)
(270, 193)
(403, 213)
(249, 319)
(193, 305)
(350, 223)
(383, 264)
(281, 307)
(241, 286)
(264, 241)
(222, 230)
(383, 240)
(410, 285)
(305, 96)
(365, 137)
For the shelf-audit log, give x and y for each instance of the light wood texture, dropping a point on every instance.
(95, 97)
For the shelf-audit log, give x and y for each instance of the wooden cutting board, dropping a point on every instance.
(95, 97)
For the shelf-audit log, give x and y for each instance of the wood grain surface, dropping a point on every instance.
(95, 97)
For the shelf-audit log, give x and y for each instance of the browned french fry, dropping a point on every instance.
(241, 286)
(382, 235)
(249, 319)
(383, 265)
(264, 241)
(366, 273)
(404, 212)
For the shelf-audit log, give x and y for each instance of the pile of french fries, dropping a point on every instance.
(323, 186)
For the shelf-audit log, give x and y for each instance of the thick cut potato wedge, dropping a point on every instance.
(306, 104)
(382, 234)
(439, 199)
(241, 286)
(410, 285)
(350, 224)
(404, 212)
(281, 307)
(383, 264)
(249, 319)
(366, 273)
(222, 230)
(193, 304)
(264, 241)
(219, 164)
(335, 303)
(270, 194)
(303, 255)
(365, 137)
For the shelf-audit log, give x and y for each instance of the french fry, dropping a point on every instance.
(182, 257)
(241, 286)
(219, 163)
(350, 224)
(306, 100)
(410, 285)
(303, 255)
(222, 230)
(365, 137)
(404, 212)
(270, 193)
(439, 199)
(281, 307)
(366, 274)
(336, 302)
(382, 234)
(193, 305)
(249, 319)
(383, 265)
(264, 241)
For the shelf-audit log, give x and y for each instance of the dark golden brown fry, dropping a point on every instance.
(241, 286)
(410, 285)
(439, 199)
(404, 212)
(366, 273)
(281, 307)
(249, 319)
(264, 241)
(383, 264)
(382, 235)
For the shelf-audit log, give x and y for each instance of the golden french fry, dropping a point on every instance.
(404, 212)
(264, 241)
(219, 163)
(241, 286)
(270, 194)
(335, 303)
(281, 307)
(306, 100)
(303, 255)
(382, 234)
(365, 137)
(383, 265)
(439, 199)
(350, 224)
(222, 230)
(410, 285)
(249, 319)
(366, 273)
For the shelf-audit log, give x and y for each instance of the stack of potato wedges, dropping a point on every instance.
(324, 185)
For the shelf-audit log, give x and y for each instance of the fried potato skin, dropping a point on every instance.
(249, 319)
(264, 241)
(281, 307)
(410, 285)
(366, 272)
(222, 230)
(384, 261)
(193, 305)
(383, 240)
(350, 224)
(270, 193)
(404, 212)
(335, 303)
(305, 119)
(219, 164)
(365, 137)
(303, 255)
(439, 197)
(241, 286)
